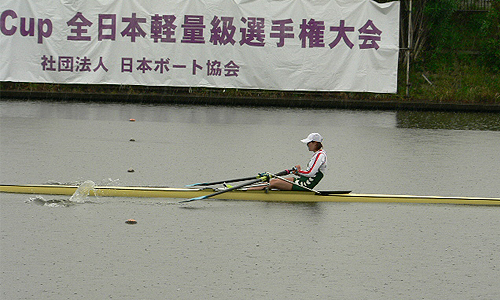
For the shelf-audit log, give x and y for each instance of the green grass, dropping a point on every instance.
(458, 82)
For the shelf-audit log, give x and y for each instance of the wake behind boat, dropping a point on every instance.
(241, 194)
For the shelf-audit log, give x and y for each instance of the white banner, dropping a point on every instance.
(313, 45)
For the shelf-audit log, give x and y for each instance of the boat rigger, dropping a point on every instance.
(270, 196)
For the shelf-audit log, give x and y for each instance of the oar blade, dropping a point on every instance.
(194, 199)
(194, 184)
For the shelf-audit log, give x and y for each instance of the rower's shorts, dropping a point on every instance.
(308, 182)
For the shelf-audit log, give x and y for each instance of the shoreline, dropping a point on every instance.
(305, 102)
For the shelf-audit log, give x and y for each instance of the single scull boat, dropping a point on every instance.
(270, 196)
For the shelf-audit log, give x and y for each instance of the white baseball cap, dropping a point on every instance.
(313, 137)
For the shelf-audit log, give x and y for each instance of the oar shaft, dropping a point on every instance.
(285, 172)
(233, 180)
(223, 191)
(222, 181)
(233, 188)
(260, 177)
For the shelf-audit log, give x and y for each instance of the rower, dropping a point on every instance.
(308, 178)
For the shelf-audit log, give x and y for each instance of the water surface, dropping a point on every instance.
(54, 248)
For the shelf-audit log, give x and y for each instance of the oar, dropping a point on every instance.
(222, 181)
(233, 180)
(261, 177)
(223, 191)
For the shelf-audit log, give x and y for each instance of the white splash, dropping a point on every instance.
(83, 192)
(39, 200)
(109, 182)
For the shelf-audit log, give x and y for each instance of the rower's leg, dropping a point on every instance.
(259, 187)
(279, 184)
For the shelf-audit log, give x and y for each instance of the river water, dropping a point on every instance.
(54, 248)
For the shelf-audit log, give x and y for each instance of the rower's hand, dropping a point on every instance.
(296, 169)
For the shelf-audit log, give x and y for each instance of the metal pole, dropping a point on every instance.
(408, 50)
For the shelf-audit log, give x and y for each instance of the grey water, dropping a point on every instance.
(83, 249)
